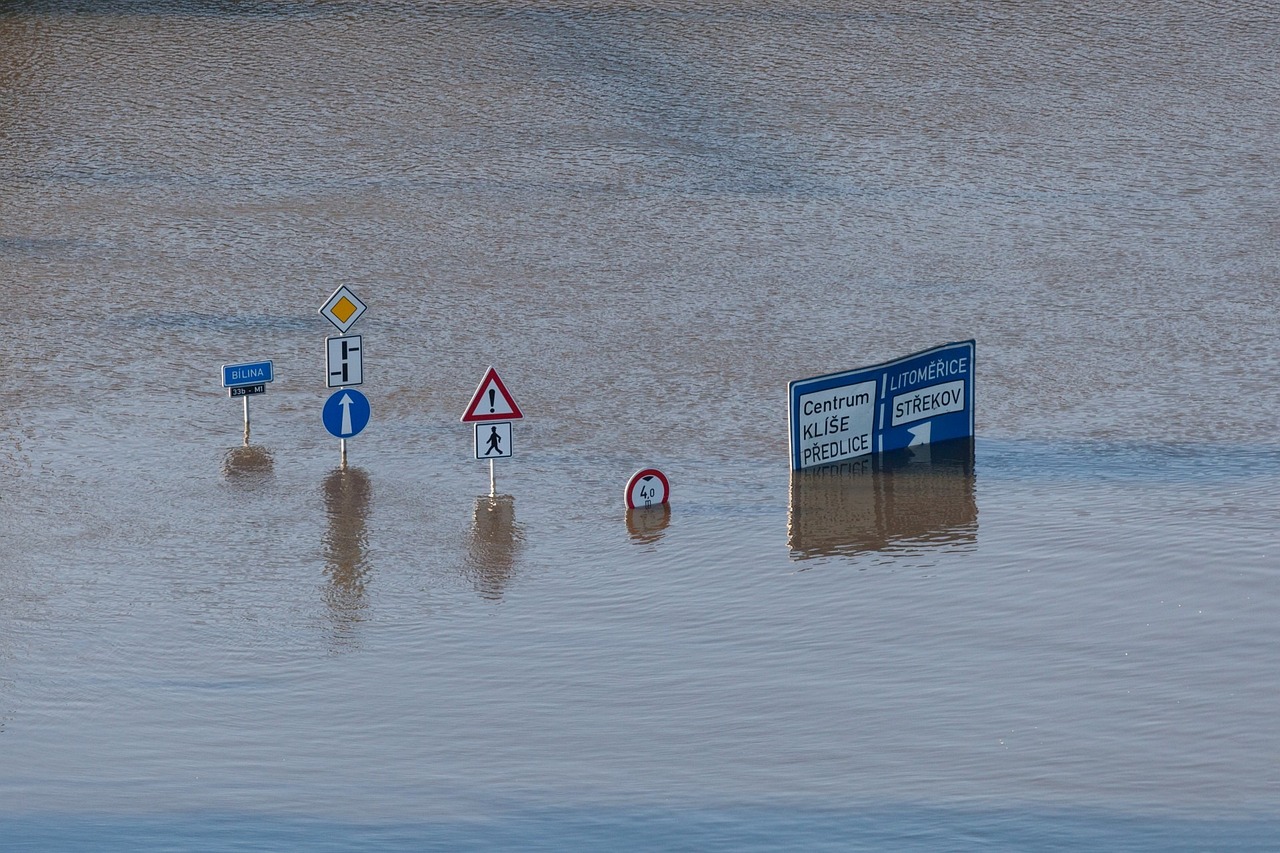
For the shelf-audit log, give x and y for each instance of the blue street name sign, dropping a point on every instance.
(252, 373)
(346, 413)
(918, 399)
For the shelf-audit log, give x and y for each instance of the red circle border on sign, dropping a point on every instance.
(648, 472)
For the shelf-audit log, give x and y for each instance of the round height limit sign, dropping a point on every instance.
(647, 488)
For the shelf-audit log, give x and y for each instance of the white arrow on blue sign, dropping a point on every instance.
(346, 413)
(919, 399)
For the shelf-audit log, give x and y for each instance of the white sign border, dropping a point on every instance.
(328, 368)
(511, 449)
(327, 308)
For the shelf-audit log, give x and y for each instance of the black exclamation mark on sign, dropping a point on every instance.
(492, 394)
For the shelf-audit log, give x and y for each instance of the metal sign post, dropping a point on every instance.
(647, 488)
(493, 441)
(345, 413)
(492, 406)
(245, 380)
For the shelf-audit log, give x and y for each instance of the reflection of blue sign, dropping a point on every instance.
(253, 373)
(346, 412)
(920, 399)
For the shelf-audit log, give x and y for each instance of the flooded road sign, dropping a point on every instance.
(916, 400)
(246, 379)
(493, 440)
(346, 413)
(342, 309)
(647, 488)
(249, 373)
(492, 401)
(344, 361)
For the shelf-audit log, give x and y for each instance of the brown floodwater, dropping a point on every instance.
(649, 217)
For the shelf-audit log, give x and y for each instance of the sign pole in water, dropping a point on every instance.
(919, 399)
(345, 413)
(245, 380)
(493, 441)
(492, 408)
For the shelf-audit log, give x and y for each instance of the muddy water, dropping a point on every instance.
(649, 218)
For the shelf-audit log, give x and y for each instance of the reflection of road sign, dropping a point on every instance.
(346, 413)
(246, 390)
(917, 400)
(493, 441)
(344, 364)
(342, 309)
(647, 525)
(647, 488)
(252, 373)
(903, 501)
(492, 402)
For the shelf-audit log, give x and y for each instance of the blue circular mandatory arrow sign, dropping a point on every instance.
(346, 412)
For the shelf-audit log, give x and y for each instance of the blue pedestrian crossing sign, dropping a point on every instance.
(346, 413)
(919, 399)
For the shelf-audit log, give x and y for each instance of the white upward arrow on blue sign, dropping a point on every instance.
(346, 413)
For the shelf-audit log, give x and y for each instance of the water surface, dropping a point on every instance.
(649, 218)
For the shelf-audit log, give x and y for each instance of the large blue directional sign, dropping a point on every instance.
(919, 399)
(252, 373)
(346, 412)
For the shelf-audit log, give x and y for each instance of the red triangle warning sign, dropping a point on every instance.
(492, 402)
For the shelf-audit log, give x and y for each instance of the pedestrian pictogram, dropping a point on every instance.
(647, 488)
(342, 309)
(344, 361)
(492, 402)
(493, 440)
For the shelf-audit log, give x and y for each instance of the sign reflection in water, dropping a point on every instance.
(348, 495)
(646, 525)
(908, 500)
(494, 545)
(248, 466)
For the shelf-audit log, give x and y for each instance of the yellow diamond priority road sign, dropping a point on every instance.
(342, 309)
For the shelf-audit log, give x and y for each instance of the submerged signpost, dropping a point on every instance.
(245, 380)
(492, 409)
(647, 488)
(347, 411)
(919, 399)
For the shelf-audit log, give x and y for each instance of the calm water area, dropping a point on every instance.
(649, 217)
